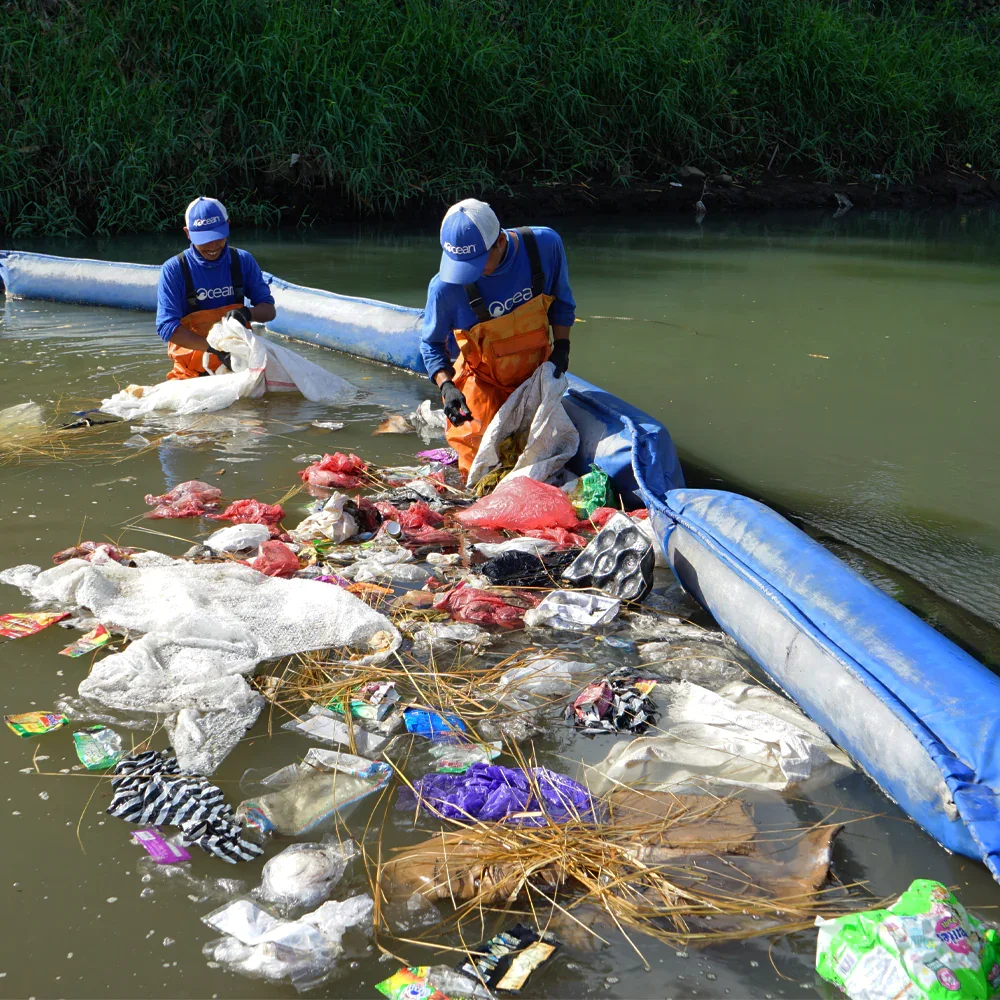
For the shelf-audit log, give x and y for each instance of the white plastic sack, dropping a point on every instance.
(258, 367)
(535, 409)
(205, 625)
(744, 735)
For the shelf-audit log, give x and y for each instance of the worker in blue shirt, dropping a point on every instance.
(202, 285)
(492, 304)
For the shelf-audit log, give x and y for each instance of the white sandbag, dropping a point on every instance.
(744, 735)
(258, 367)
(535, 410)
(205, 625)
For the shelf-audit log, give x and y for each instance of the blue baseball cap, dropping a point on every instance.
(468, 232)
(206, 220)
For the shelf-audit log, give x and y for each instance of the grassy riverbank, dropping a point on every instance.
(115, 113)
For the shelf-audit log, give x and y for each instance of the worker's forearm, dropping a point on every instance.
(183, 337)
(442, 376)
(263, 312)
(560, 332)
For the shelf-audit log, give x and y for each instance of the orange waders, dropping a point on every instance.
(191, 364)
(498, 354)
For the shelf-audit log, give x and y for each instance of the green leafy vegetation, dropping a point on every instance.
(114, 114)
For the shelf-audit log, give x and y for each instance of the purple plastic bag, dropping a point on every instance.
(489, 792)
(443, 456)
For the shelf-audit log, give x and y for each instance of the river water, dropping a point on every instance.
(840, 369)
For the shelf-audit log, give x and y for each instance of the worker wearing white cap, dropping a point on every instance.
(201, 285)
(502, 305)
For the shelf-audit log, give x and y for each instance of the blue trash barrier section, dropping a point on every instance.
(913, 710)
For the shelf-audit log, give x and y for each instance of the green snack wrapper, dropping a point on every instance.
(923, 947)
(593, 491)
(98, 747)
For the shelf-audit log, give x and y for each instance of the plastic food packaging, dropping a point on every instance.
(190, 499)
(336, 471)
(432, 725)
(593, 491)
(322, 724)
(519, 504)
(458, 758)
(303, 951)
(34, 723)
(506, 960)
(619, 561)
(98, 747)
(86, 550)
(160, 850)
(238, 538)
(410, 984)
(924, 945)
(275, 558)
(614, 706)
(19, 625)
(373, 701)
(250, 512)
(443, 456)
(305, 874)
(481, 607)
(490, 793)
(94, 639)
(568, 609)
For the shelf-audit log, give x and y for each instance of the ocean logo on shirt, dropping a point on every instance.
(498, 308)
(214, 293)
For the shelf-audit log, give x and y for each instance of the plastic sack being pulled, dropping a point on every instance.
(258, 367)
(336, 471)
(490, 793)
(925, 945)
(519, 504)
(190, 499)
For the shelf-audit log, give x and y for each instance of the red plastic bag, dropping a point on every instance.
(250, 512)
(562, 537)
(276, 559)
(601, 515)
(340, 471)
(431, 536)
(387, 510)
(519, 504)
(419, 515)
(466, 604)
(85, 550)
(190, 499)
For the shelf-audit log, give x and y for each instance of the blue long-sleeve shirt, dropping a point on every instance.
(503, 291)
(212, 284)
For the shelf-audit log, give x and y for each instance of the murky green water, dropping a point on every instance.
(881, 446)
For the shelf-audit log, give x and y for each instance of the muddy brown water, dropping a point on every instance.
(880, 447)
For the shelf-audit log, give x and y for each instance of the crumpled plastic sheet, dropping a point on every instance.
(431, 536)
(613, 705)
(520, 504)
(190, 499)
(542, 680)
(569, 609)
(415, 491)
(417, 515)
(443, 456)
(430, 423)
(491, 793)
(440, 637)
(250, 512)
(480, 607)
(523, 569)
(332, 521)
(536, 546)
(744, 735)
(304, 951)
(103, 550)
(276, 559)
(709, 664)
(149, 789)
(238, 538)
(562, 537)
(337, 471)
(304, 875)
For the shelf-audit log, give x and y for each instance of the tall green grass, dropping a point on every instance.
(115, 113)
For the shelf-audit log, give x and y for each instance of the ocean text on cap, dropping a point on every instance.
(207, 222)
(471, 248)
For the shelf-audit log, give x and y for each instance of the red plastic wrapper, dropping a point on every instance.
(445, 540)
(593, 702)
(387, 510)
(276, 559)
(85, 550)
(419, 515)
(519, 504)
(250, 512)
(480, 607)
(601, 515)
(562, 537)
(338, 471)
(190, 499)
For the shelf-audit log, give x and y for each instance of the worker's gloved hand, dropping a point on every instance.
(456, 409)
(560, 357)
(223, 356)
(242, 313)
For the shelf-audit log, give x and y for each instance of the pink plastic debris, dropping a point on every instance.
(85, 550)
(431, 536)
(601, 515)
(276, 559)
(250, 512)
(419, 515)
(519, 504)
(467, 604)
(340, 471)
(562, 537)
(190, 499)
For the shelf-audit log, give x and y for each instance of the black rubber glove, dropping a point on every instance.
(560, 357)
(242, 313)
(223, 356)
(456, 409)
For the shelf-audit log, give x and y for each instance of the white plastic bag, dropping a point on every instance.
(534, 409)
(570, 609)
(332, 522)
